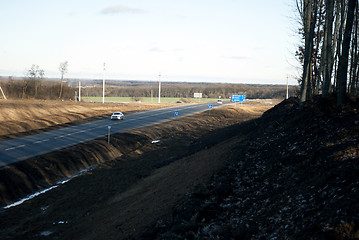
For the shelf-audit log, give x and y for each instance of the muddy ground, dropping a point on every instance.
(135, 183)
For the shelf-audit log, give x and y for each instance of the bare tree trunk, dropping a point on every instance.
(63, 69)
(24, 88)
(309, 24)
(353, 62)
(344, 57)
(317, 80)
(342, 15)
(61, 86)
(328, 47)
(353, 80)
(335, 52)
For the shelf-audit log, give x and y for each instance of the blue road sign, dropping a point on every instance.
(210, 106)
(235, 98)
(176, 113)
(238, 98)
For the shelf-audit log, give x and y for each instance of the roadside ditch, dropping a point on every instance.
(40, 173)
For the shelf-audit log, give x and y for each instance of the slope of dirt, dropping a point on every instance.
(123, 196)
(295, 176)
(24, 117)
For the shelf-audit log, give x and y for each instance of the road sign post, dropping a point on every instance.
(238, 98)
(108, 135)
(209, 106)
(198, 95)
(176, 114)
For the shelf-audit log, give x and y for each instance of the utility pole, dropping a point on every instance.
(103, 83)
(287, 88)
(159, 88)
(79, 90)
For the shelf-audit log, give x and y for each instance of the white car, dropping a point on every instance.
(117, 116)
(219, 102)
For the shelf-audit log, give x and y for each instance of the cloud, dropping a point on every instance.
(116, 9)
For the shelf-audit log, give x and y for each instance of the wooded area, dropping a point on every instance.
(187, 90)
(35, 88)
(329, 52)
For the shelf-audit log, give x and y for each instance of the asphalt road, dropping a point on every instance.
(19, 149)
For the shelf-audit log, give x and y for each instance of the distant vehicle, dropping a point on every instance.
(219, 102)
(117, 116)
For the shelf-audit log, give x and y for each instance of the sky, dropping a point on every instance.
(229, 41)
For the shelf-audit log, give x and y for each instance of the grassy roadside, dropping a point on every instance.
(19, 117)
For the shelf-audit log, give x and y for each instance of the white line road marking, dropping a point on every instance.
(69, 134)
(60, 137)
(40, 141)
(12, 148)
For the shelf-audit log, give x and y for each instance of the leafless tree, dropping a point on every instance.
(327, 52)
(32, 81)
(344, 57)
(330, 53)
(308, 12)
(63, 69)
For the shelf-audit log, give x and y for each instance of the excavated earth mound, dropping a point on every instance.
(295, 176)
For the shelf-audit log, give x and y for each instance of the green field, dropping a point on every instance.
(147, 99)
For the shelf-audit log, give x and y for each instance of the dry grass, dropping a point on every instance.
(19, 116)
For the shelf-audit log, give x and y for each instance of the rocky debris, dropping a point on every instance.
(295, 177)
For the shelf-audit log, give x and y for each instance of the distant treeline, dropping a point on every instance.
(50, 89)
(185, 90)
(35, 89)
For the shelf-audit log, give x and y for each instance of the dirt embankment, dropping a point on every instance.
(295, 176)
(41, 172)
(135, 183)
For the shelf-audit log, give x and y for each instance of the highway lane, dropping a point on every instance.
(19, 149)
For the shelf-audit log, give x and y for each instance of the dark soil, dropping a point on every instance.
(291, 174)
(296, 176)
